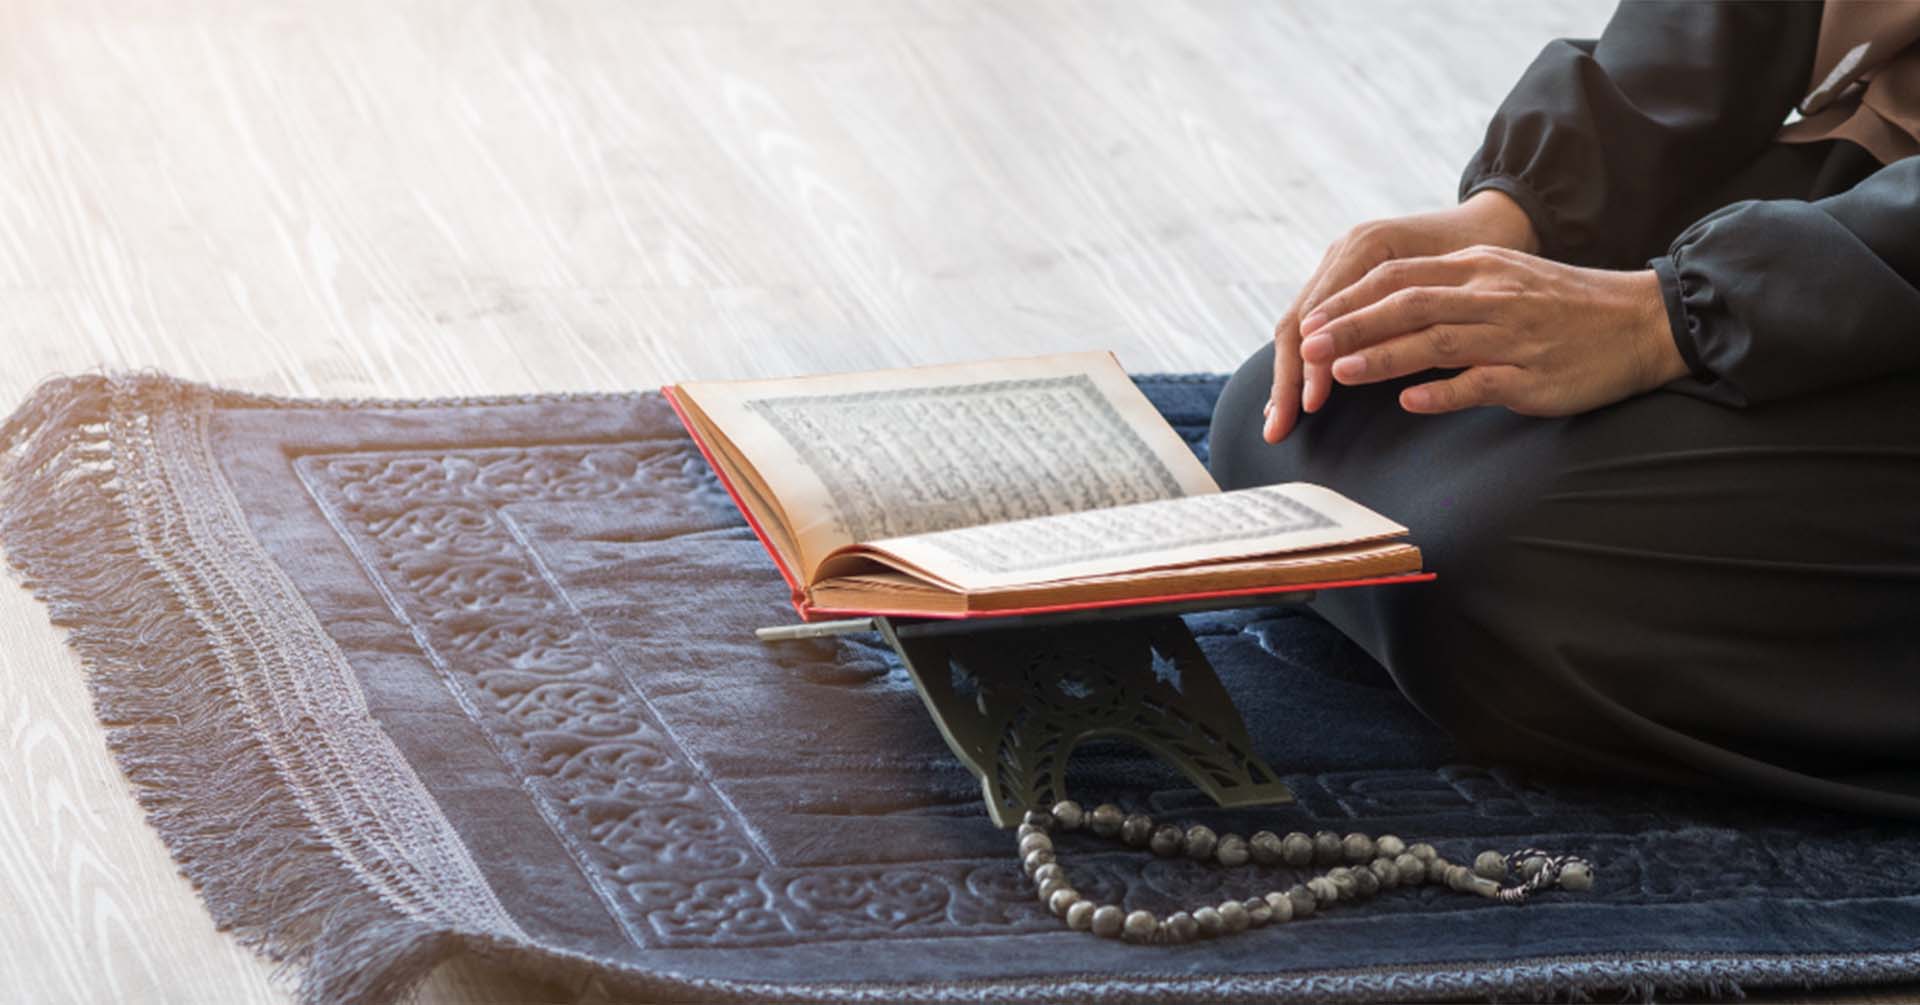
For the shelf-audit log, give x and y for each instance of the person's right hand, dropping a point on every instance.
(1488, 217)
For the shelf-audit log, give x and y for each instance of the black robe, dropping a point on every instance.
(1787, 268)
(1717, 583)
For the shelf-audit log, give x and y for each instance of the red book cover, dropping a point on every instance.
(808, 612)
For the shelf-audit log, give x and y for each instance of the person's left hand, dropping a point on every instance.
(1537, 336)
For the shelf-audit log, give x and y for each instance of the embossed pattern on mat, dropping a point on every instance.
(492, 665)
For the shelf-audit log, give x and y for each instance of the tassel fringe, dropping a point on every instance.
(73, 504)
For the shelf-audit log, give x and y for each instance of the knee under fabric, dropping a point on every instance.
(1664, 587)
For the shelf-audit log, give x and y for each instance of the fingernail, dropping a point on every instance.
(1268, 429)
(1349, 367)
(1314, 320)
(1319, 345)
(1267, 409)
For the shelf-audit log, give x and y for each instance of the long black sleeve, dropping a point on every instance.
(1774, 298)
(1609, 144)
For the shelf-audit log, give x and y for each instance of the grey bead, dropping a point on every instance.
(1531, 866)
(1327, 848)
(1023, 831)
(1490, 864)
(1358, 847)
(1281, 905)
(1048, 889)
(1388, 846)
(1035, 859)
(1231, 851)
(1139, 926)
(1209, 922)
(1343, 880)
(1233, 916)
(1181, 927)
(1063, 900)
(1385, 871)
(1107, 921)
(1200, 842)
(1437, 870)
(1067, 815)
(1136, 829)
(1080, 916)
(1422, 851)
(1032, 841)
(1106, 820)
(1325, 893)
(1167, 840)
(1304, 902)
(1368, 883)
(1037, 818)
(1479, 884)
(1050, 871)
(1296, 849)
(1576, 877)
(1457, 876)
(1258, 913)
(1411, 870)
(1264, 846)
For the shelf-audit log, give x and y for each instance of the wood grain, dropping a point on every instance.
(362, 198)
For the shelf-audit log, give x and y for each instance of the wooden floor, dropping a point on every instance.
(373, 198)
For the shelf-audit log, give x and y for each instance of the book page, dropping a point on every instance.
(1271, 520)
(894, 453)
(890, 591)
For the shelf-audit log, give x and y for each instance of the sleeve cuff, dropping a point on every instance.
(1677, 320)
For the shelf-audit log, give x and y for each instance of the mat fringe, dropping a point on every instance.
(70, 516)
(1644, 991)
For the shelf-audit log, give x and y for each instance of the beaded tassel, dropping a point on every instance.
(1359, 866)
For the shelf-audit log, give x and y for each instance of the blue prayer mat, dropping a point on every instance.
(402, 680)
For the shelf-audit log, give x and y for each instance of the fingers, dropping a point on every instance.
(1434, 346)
(1358, 274)
(1313, 379)
(1283, 405)
(1387, 279)
(1289, 382)
(1481, 385)
(1347, 265)
(1402, 313)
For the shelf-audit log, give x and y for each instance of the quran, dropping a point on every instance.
(1010, 486)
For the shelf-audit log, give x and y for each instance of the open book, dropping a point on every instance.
(1010, 486)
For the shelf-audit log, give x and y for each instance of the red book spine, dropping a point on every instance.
(797, 588)
(1164, 598)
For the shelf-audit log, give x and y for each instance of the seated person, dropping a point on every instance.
(1668, 469)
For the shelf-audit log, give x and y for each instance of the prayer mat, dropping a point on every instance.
(401, 680)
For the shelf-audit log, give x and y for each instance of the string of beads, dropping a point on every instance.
(1371, 865)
